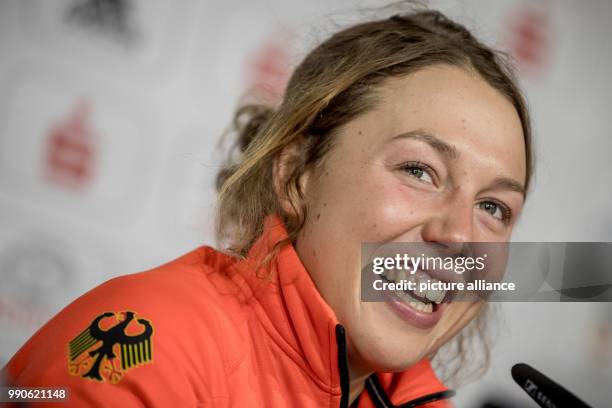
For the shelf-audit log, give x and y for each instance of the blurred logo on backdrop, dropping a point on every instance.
(129, 40)
(83, 150)
(269, 66)
(112, 18)
(530, 38)
(70, 155)
(33, 275)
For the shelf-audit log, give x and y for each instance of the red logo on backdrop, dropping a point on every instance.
(70, 150)
(530, 35)
(270, 66)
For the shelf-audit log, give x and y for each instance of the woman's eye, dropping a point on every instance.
(419, 173)
(496, 210)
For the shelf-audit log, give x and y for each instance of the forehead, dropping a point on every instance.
(457, 106)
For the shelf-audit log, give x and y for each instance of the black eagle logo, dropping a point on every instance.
(134, 349)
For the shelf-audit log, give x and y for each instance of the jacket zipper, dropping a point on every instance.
(375, 389)
(342, 365)
(381, 400)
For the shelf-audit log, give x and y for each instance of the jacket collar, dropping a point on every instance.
(296, 316)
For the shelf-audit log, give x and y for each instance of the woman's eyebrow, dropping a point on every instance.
(507, 183)
(435, 142)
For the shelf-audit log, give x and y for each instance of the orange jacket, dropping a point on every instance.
(206, 330)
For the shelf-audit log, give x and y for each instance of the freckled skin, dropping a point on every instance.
(365, 197)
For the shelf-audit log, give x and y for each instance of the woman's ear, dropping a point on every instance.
(287, 165)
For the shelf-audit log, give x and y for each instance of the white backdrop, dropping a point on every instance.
(111, 110)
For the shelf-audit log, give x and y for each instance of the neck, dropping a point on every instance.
(358, 377)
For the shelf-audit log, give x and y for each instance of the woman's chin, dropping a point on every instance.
(385, 357)
(386, 342)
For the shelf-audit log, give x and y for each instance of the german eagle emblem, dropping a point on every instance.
(94, 352)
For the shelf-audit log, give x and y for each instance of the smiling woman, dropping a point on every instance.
(404, 129)
(399, 130)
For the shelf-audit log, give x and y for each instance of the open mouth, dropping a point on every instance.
(425, 301)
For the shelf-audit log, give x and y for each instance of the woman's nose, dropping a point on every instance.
(451, 223)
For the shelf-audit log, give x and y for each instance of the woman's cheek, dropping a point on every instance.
(398, 211)
(489, 229)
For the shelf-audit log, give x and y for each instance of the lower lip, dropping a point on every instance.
(422, 320)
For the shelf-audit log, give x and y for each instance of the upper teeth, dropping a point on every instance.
(436, 296)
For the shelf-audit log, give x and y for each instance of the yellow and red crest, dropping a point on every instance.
(110, 346)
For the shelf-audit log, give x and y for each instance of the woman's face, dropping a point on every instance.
(440, 159)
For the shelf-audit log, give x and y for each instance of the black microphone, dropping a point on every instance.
(544, 391)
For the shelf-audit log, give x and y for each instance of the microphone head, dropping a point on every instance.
(544, 391)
